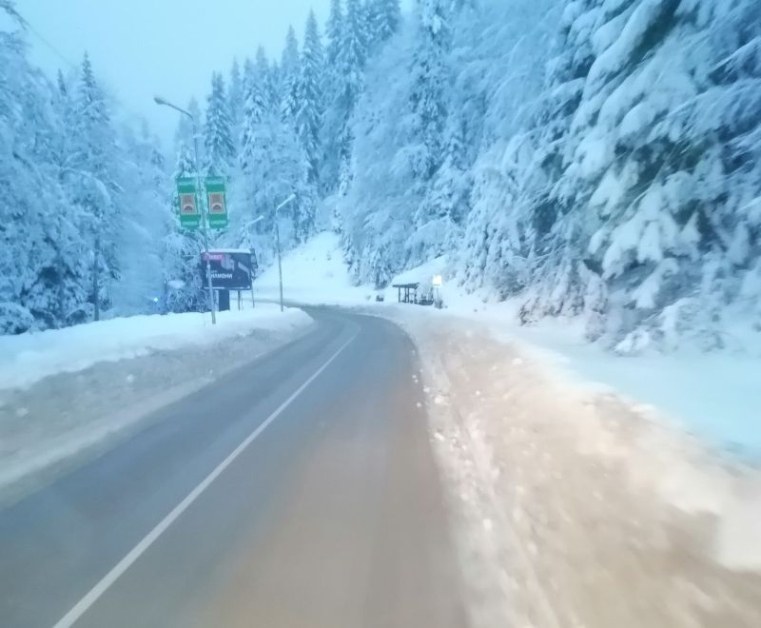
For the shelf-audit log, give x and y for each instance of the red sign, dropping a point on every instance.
(216, 203)
(188, 204)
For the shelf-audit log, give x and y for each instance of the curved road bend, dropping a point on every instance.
(298, 491)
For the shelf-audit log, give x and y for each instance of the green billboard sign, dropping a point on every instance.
(187, 200)
(217, 199)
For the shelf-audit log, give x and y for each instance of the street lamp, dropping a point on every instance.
(253, 222)
(204, 216)
(290, 199)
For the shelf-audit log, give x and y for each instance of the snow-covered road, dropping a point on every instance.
(299, 490)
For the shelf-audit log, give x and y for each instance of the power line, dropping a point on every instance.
(28, 27)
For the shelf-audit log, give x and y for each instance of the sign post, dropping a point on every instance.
(187, 206)
(438, 281)
(217, 199)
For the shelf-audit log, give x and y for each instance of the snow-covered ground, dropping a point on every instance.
(30, 357)
(573, 507)
(314, 273)
(713, 395)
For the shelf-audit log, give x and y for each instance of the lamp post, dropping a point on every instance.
(290, 199)
(204, 216)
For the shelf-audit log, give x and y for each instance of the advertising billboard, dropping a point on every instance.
(231, 269)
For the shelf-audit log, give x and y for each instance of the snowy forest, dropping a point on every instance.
(598, 159)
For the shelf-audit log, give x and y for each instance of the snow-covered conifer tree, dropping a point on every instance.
(290, 71)
(310, 101)
(218, 140)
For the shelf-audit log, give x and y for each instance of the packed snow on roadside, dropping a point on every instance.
(712, 395)
(30, 357)
(314, 273)
(534, 461)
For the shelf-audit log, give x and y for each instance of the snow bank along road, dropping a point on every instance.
(81, 399)
(299, 490)
(574, 507)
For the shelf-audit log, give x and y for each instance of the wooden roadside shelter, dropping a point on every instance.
(407, 292)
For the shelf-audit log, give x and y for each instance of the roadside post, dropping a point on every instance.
(437, 282)
(290, 199)
(193, 206)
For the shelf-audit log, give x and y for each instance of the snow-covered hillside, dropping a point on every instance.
(626, 189)
(313, 273)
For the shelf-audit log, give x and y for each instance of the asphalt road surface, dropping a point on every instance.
(297, 491)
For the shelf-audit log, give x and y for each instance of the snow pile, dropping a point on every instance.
(30, 357)
(314, 273)
(714, 396)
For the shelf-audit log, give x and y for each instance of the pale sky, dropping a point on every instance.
(168, 47)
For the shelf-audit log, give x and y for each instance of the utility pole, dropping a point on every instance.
(199, 191)
(279, 262)
(96, 278)
(290, 199)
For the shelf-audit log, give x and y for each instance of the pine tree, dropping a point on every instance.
(273, 164)
(236, 98)
(289, 77)
(334, 31)
(366, 12)
(310, 103)
(371, 18)
(350, 80)
(353, 48)
(218, 140)
(184, 134)
(67, 277)
(431, 76)
(255, 111)
(181, 250)
(144, 181)
(94, 159)
(267, 74)
(385, 19)
(247, 75)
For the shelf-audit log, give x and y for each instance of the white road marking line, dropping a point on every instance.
(92, 596)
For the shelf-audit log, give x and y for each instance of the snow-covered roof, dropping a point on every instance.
(422, 274)
(217, 250)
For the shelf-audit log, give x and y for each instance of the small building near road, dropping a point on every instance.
(422, 285)
(407, 292)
